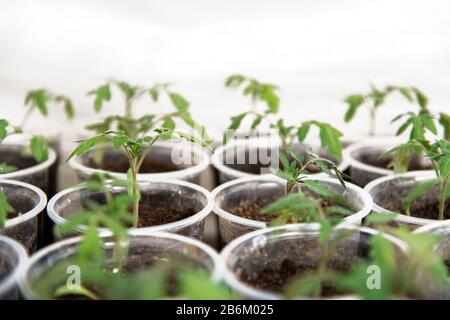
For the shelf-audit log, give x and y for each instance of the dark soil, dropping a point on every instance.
(426, 206)
(116, 161)
(156, 207)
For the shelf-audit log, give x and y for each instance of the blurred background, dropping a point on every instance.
(317, 51)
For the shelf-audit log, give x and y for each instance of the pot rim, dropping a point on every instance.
(11, 279)
(216, 273)
(38, 208)
(200, 215)
(248, 291)
(217, 157)
(30, 170)
(367, 200)
(420, 175)
(383, 142)
(428, 228)
(76, 164)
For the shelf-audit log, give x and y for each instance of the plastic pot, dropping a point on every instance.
(166, 160)
(183, 206)
(29, 170)
(366, 164)
(265, 189)
(258, 264)
(388, 194)
(12, 260)
(29, 203)
(144, 250)
(253, 157)
(442, 229)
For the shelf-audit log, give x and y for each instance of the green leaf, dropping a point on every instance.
(3, 128)
(86, 145)
(380, 218)
(154, 93)
(234, 81)
(330, 138)
(39, 148)
(68, 108)
(256, 122)
(444, 165)
(196, 285)
(73, 222)
(377, 96)
(90, 248)
(102, 94)
(419, 190)
(5, 168)
(5, 208)
(179, 102)
(444, 120)
(421, 98)
(428, 122)
(168, 123)
(321, 190)
(354, 102)
(303, 130)
(269, 95)
(405, 92)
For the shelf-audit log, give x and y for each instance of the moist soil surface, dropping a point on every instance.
(151, 216)
(426, 206)
(250, 209)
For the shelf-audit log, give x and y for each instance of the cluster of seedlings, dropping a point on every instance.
(324, 241)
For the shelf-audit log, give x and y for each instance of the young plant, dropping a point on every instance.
(5, 209)
(376, 98)
(267, 93)
(300, 206)
(140, 126)
(136, 151)
(439, 155)
(38, 99)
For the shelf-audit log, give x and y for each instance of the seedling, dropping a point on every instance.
(439, 155)
(136, 151)
(5, 209)
(134, 127)
(267, 93)
(402, 274)
(376, 98)
(300, 206)
(39, 100)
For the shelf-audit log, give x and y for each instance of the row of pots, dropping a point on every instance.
(249, 265)
(181, 207)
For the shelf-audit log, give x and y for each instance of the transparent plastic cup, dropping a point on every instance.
(296, 245)
(254, 156)
(29, 171)
(363, 156)
(388, 193)
(163, 194)
(441, 229)
(167, 160)
(144, 250)
(29, 203)
(12, 260)
(253, 189)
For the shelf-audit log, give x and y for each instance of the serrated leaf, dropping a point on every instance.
(303, 130)
(234, 80)
(39, 148)
(179, 102)
(354, 102)
(330, 139)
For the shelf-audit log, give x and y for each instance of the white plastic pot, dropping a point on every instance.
(233, 192)
(268, 248)
(193, 159)
(361, 172)
(396, 187)
(37, 174)
(178, 193)
(257, 147)
(32, 202)
(161, 246)
(12, 260)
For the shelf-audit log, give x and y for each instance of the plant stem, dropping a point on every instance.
(443, 199)
(135, 196)
(26, 116)
(373, 115)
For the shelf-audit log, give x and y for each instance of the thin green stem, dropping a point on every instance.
(373, 116)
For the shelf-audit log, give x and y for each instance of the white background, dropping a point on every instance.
(317, 51)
